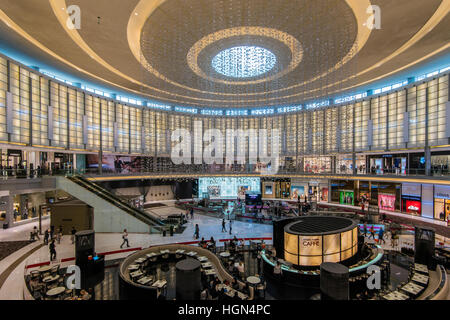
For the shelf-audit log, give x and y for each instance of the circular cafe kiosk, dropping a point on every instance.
(310, 241)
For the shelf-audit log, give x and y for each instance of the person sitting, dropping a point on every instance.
(202, 243)
(236, 296)
(241, 244)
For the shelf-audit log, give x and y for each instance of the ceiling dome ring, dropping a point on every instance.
(289, 41)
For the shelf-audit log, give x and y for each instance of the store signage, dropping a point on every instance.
(407, 197)
(311, 242)
(442, 192)
(411, 189)
(12, 152)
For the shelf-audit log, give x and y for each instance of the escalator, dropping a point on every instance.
(147, 218)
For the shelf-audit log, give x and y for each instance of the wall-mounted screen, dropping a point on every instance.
(228, 187)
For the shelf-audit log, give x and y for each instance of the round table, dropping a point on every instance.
(45, 268)
(55, 291)
(254, 280)
(224, 254)
(51, 278)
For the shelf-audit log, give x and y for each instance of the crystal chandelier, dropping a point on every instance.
(244, 61)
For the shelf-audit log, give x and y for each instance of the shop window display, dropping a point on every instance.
(386, 202)
(442, 209)
(317, 164)
(347, 197)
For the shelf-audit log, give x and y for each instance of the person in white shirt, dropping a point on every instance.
(125, 239)
(241, 269)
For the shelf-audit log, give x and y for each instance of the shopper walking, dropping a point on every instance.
(36, 233)
(58, 237)
(223, 225)
(72, 235)
(365, 228)
(46, 235)
(230, 227)
(125, 239)
(52, 232)
(52, 248)
(372, 233)
(380, 235)
(192, 213)
(197, 232)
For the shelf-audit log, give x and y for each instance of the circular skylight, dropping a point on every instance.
(244, 61)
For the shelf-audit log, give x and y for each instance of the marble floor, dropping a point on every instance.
(106, 242)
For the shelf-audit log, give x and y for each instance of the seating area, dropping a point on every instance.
(48, 283)
(139, 268)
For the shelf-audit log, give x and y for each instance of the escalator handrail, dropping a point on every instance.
(108, 196)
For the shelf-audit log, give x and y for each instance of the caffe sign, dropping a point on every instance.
(310, 245)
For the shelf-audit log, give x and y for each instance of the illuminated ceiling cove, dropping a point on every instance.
(229, 53)
(244, 61)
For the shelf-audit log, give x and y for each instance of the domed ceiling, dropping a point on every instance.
(230, 53)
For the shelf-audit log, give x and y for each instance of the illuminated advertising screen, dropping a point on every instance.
(228, 187)
(413, 207)
(386, 202)
(297, 191)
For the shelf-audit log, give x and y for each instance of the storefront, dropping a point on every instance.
(441, 202)
(411, 199)
(440, 162)
(347, 197)
(386, 201)
(342, 192)
(268, 189)
(324, 194)
(388, 163)
(299, 188)
(385, 195)
(344, 164)
(317, 164)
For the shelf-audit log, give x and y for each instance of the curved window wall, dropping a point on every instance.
(45, 113)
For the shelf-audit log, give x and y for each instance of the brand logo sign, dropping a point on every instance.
(311, 242)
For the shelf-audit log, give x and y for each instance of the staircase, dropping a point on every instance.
(111, 213)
